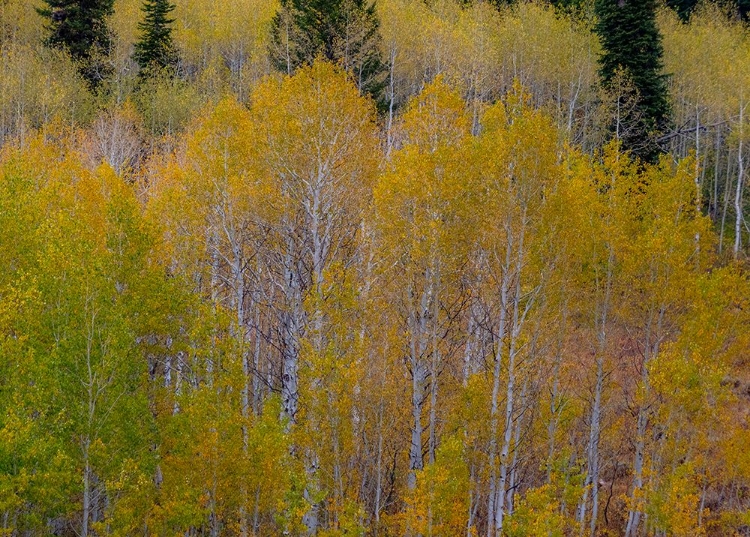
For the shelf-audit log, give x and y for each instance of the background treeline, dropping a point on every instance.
(425, 295)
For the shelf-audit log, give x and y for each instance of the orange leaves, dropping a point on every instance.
(388, 299)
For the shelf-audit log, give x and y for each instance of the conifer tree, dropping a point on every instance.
(743, 6)
(80, 28)
(632, 50)
(155, 49)
(346, 32)
(683, 7)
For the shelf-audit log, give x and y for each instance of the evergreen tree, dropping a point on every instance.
(346, 32)
(743, 6)
(683, 7)
(632, 50)
(155, 49)
(80, 28)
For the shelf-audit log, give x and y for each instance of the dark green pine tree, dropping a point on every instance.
(155, 51)
(743, 6)
(346, 32)
(632, 51)
(683, 7)
(80, 28)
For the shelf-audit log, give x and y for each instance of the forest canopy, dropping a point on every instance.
(393, 268)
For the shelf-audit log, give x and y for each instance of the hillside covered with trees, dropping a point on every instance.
(404, 268)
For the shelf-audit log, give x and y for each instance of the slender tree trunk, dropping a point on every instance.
(596, 429)
(592, 475)
(419, 372)
(472, 510)
(510, 391)
(725, 209)
(379, 466)
(239, 282)
(650, 350)
(507, 436)
(634, 515)
(494, 409)
(554, 404)
(698, 186)
(256, 513)
(93, 391)
(416, 462)
(257, 393)
(738, 219)
(471, 346)
(290, 332)
(714, 203)
(320, 240)
(86, 492)
(513, 483)
(432, 446)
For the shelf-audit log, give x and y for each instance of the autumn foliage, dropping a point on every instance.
(238, 302)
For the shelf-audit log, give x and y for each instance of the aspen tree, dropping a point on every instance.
(665, 237)
(421, 203)
(519, 145)
(318, 146)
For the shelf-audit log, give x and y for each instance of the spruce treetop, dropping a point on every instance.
(632, 49)
(346, 32)
(80, 28)
(155, 50)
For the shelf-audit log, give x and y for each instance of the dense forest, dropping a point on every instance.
(404, 268)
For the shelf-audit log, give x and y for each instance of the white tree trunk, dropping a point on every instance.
(510, 391)
(738, 219)
(494, 409)
(651, 349)
(419, 374)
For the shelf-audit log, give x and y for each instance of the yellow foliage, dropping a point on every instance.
(438, 506)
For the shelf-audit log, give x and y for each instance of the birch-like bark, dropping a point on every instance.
(379, 466)
(291, 327)
(470, 349)
(512, 482)
(239, 282)
(554, 402)
(591, 483)
(417, 346)
(725, 207)
(86, 491)
(698, 186)
(738, 218)
(650, 351)
(494, 409)
(432, 444)
(510, 391)
(93, 390)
